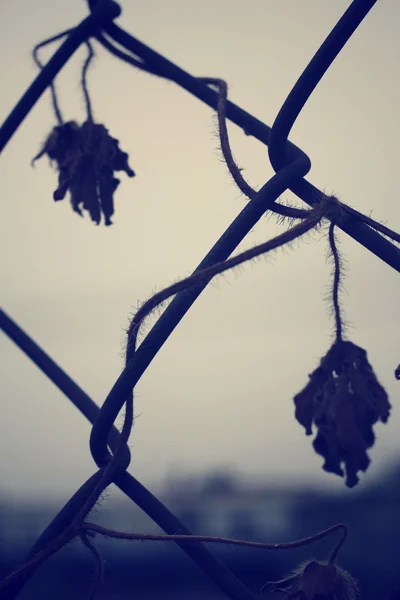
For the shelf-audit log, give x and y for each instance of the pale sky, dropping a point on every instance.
(219, 394)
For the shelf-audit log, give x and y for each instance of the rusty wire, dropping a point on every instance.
(291, 165)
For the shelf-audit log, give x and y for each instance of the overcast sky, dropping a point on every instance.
(219, 394)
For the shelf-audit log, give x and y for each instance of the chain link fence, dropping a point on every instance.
(87, 159)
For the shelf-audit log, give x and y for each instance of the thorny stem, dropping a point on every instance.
(234, 170)
(247, 190)
(244, 187)
(122, 535)
(336, 282)
(288, 236)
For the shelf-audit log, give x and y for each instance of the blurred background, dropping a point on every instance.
(221, 504)
(215, 433)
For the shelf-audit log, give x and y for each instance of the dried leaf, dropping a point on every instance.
(344, 400)
(86, 158)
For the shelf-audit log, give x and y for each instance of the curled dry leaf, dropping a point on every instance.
(86, 157)
(344, 400)
(314, 580)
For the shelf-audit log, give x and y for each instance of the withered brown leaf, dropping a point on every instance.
(86, 157)
(344, 399)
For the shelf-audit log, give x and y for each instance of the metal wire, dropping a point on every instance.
(124, 480)
(291, 165)
(253, 126)
(78, 35)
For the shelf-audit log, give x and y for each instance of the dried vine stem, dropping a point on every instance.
(326, 208)
(122, 535)
(285, 211)
(55, 104)
(99, 572)
(337, 272)
(234, 170)
(85, 69)
(244, 187)
(35, 55)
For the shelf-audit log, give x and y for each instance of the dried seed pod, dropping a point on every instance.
(344, 400)
(315, 580)
(86, 158)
